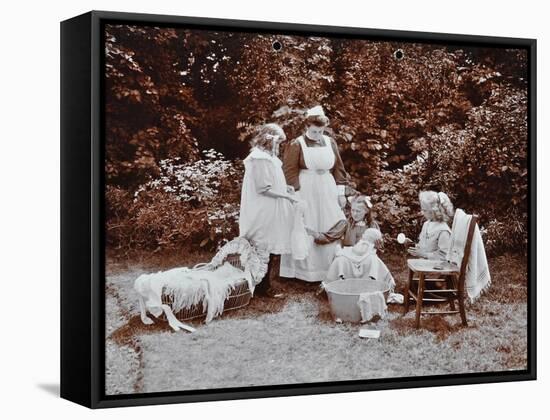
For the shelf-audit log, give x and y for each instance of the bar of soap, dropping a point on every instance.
(368, 333)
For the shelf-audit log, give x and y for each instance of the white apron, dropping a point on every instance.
(318, 189)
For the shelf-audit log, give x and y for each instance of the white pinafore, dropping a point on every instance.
(318, 189)
(266, 222)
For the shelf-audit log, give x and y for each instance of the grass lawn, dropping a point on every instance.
(294, 339)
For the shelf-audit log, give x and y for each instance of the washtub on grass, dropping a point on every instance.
(343, 296)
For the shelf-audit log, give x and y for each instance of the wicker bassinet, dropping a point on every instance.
(240, 254)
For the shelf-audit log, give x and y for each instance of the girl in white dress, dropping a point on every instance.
(435, 236)
(312, 164)
(266, 212)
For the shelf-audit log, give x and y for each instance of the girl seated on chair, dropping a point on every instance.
(434, 239)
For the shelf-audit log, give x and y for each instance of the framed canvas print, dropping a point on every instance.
(254, 209)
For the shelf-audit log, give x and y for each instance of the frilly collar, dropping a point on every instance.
(436, 227)
(257, 153)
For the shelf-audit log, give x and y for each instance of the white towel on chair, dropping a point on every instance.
(477, 277)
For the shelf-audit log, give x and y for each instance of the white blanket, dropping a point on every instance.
(477, 277)
(189, 287)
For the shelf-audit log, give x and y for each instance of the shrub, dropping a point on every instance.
(188, 203)
(395, 200)
(508, 233)
(452, 119)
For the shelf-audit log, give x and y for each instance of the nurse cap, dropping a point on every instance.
(316, 111)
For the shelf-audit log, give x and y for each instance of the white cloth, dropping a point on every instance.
(189, 287)
(371, 304)
(348, 265)
(209, 283)
(478, 277)
(395, 298)
(265, 221)
(319, 191)
(315, 111)
(300, 241)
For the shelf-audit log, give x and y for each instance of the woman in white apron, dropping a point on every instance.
(313, 166)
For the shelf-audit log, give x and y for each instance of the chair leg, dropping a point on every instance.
(462, 309)
(450, 285)
(419, 296)
(407, 288)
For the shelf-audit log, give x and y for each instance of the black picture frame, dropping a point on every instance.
(82, 213)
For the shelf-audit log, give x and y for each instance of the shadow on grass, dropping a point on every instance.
(436, 324)
(125, 335)
(290, 290)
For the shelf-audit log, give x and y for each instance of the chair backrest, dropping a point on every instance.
(467, 251)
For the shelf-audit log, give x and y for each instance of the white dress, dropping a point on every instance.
(434, 239)
(266, 222)
(318, 189)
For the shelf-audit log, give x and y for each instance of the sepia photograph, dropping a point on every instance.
(284, 209)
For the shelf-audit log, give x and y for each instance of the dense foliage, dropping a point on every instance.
(181, 106)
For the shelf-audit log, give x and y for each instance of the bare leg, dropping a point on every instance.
(143, 312)
(264, 287)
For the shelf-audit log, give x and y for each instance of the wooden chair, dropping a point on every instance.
(426, 272)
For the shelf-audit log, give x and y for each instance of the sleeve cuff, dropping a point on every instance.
(341, 189)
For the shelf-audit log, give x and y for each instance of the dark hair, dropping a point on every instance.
(317, 120)
(359, 199)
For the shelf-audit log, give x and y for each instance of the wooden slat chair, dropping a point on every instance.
(424, 272)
